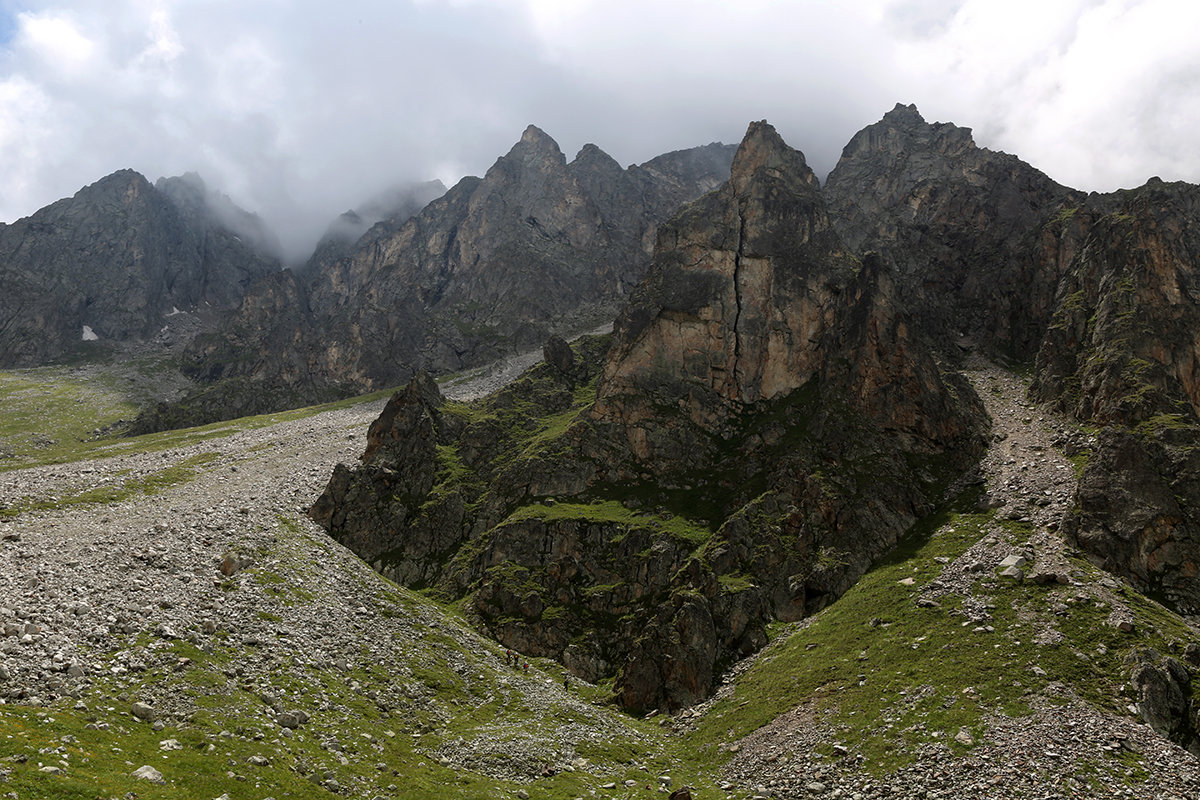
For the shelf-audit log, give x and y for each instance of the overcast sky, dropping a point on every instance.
(301, 109)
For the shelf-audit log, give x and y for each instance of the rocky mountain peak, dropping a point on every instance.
(592, 157)
(750, 296)
(113, 260)
(763, 153)
(124, 186)
(966, 228)
(903, 130)
(206, 208)
(535, 145)
(740, 288)
(902, 115)
(536, 136)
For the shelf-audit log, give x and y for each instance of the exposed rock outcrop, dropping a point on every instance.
(538, 246)
(764, 427)
(1123, 352)
(1100, 288)
(979, 239)
(1164, 694)
(113, 261)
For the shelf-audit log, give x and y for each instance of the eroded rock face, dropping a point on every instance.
(978, 238)
(118, 257)
(1123, 351)
(765, 426)
(538, 246)
(757, 329)
(1164, 695)
(1100, 288)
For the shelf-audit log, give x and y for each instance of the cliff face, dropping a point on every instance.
(118, 257)
(538, 245)
(1123, 353)
(1101, 289)
(753, 297)
(763, 428)
(978, 239)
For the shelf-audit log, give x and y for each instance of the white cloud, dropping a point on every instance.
(1098, 94)
(55, 41)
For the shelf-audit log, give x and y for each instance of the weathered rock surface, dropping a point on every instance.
(979, 238)
(1164, 695)
(1122, 352)
(114, 261)
(1101, 288)
(539, 245)
(763, 414)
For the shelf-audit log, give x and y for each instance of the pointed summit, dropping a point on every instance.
(763, 153)
(904, 115)
(536, 149)
(536, 136)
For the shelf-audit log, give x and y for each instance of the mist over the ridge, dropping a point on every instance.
(299, 110)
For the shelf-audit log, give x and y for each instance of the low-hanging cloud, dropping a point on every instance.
(300, 110)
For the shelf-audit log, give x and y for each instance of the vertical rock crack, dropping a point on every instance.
(737, 298)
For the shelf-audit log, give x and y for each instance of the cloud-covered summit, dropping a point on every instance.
(299, 109)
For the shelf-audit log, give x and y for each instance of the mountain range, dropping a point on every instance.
(799, 395)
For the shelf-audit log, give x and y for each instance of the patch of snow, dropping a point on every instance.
(174, 310)
(89, 335)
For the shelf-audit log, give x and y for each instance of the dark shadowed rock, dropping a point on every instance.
(557, 353)
(119, 257)
(1164, 695)
(1122, 353)
(978, 238)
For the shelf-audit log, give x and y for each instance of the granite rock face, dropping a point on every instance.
(763, 427)
(537, 246)
(118, 258)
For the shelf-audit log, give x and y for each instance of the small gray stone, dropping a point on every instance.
(1014, 560)
(292, 719)
(143, 711)
(148, 773)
